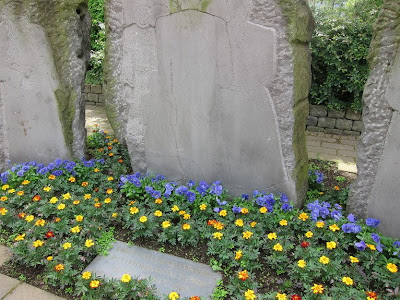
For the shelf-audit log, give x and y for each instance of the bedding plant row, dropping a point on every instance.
(58, 217)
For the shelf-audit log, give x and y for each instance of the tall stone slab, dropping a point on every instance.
(44, 51)
(212, 90)
(375, 193)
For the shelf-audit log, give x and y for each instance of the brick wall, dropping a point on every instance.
(93, 94)
(333, 121)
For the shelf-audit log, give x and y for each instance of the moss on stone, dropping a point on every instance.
(180, 5)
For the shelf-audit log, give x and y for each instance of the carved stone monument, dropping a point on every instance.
(44, 50)
(212, 90)
(375, 193)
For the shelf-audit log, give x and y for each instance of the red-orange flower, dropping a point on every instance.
(295, 297)
(243, 275)
(36, 198)
(50, 234)
(195, 298)
(59, 267)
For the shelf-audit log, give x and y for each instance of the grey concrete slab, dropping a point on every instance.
(7, 285)
(5, 254)
(170, 273)
(25, 291)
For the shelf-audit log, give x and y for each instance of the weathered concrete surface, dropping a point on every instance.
(212, 90)
(43, 55)
(375, 192)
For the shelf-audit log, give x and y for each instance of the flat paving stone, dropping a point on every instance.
(96, 114)
(170, 273)
(5, 254)
(7, 284)
(26, 291)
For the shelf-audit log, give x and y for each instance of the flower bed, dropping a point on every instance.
(59, 217)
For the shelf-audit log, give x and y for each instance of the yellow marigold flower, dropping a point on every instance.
(86, 275)
(107, 200)
(5, 187)
(110, 178)
(317, 288)
(29, 218)
(96, 170)
(126, 278)
(354, 259)
(281, 296)
(250, 295)
(66, 196)
(334, 227)
(89, 243)
(158, 201)
(61, 206)
(134, 210)
(263, 210)
(203, 206)
(218, 235)
(109, 191)
(20, 193)
(3, 211)
(67, 246)
(87, 196)
(53, 200)
(301, 263)
(243, 275)
(25, 182)
(166, 224)
(20, 237)
(38, 243)
(347, 280)
(158, 213)
(3, 198)
(94, 284)
(76, 202)
(173, 296)
(218, 226)
(114, 215)
(59, 267)
(320, 224)
(79, 218)
(11, 191)
(185, 226)
(47, 189)
(272, 236)
(182, 212)
(76, 229)
(372, 247)
(143, 219)
(247, 234)
(223, 213)
(239, 223)
(40, 222)
(238, 254)
(71, 179)
(175, 208)
(303, 216)
(49, 258)
(57, 220)
(186, 216)
(309, 234)
(253, 224)
(85, 184)
(324, 260)
(331, 245)
(392, 267)
(336, 188)
(283, 222)
(52, 177)
(244, 210)
(111, 154)
(278, 247)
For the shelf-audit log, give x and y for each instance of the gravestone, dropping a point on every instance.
(170, 273)
(375, 193)
(212, 90)
(44, 51)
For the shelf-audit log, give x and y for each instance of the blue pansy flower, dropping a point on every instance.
(375, 237)
(361, 245)
(222, 203)
(245, 197)
(191, 197)
(372, 222)
(181, 190)
(4, 177)
(336, 215)
(217, 209)
(191, 183)
(348, 228)
(284, 198)
(396, 244)
(351, 218)
(236, 209)
(286, 207)
(57, 172)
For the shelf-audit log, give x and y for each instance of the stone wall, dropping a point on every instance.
(93, 94)
(333, 121)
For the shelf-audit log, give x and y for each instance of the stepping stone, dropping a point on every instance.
(26, 291)
(7, 285)
(5, 254)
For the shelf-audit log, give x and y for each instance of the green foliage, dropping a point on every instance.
(94, 74)
(340, 47)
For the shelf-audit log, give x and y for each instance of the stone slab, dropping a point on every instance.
(7, 285)
(5, 254)
(170, 273)
(26, 291)
(318, 110)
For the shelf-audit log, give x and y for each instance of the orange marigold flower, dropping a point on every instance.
(243, 275)
(59, 267)
(97, 205)
(36, 198)
(158, 201)
(238, 254)
(52, 177)
(336, 188)
(85, 184)
(244, 210)
(20, 193)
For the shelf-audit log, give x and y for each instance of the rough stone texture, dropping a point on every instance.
(312, 121)
(318, 110)
(315, 129)
(350, 132)
(212, 90)
(357, 126)
(334, 131)
(375, 192)
(344, 124)
(353, 115)
(5, 254)
(44, 51)
(337, 114)
(326, 122)
(7, 285)
(192, 279)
